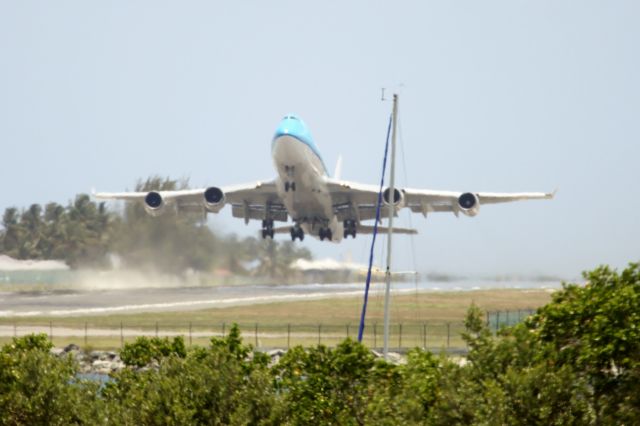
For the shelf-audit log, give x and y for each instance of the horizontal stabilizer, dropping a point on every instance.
(366, 229)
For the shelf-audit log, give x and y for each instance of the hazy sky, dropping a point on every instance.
(495, 96)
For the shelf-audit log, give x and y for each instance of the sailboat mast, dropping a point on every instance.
(392, 209)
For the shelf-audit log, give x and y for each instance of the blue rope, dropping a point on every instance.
(375, 233)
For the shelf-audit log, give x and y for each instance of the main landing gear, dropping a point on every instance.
(349, 228)
(267, 228)
(297, 232)
(325, 233)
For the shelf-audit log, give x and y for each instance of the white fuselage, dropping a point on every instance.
(301, 186)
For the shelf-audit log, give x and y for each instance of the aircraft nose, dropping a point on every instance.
(291, 125)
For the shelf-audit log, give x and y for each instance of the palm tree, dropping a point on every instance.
(12, 234)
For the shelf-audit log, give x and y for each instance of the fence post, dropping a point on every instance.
(400, 336)
(256, 332)
(288, 336)
(375, 335)
(121, 335)
(190, 341)
(424, 335)
(497, 320)
(508, 319)
(448, 334)
(85, 333)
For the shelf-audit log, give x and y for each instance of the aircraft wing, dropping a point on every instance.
(426, 201)
(257, 200)
(353, 200)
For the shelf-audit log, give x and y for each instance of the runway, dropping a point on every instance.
(131, 300)
(73, 303)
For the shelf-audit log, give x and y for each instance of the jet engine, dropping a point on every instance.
(469, 204)
(154, 204)
(398, 197)
(213, 199)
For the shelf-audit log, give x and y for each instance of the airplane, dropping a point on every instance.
(324, 207)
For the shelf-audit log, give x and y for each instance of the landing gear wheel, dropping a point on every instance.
(297, 232)
(349, 228)
(293, 186)
(267, 228)
(325, 233)
(286, 187)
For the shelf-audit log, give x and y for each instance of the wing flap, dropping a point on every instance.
(260, 212)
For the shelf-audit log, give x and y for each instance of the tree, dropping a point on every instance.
(274, 258)
(39, 388)
(172, 242)
(225, 383)
(574, 362)
(12, 234)
(593, 330)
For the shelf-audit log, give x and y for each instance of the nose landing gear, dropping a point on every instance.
(290, 172)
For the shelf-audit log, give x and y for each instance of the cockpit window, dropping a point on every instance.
(292, 117)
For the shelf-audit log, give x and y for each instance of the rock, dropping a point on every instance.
(71, 347)
(396, 358)
(392, 357)
(117, 366)
(276, 352)
(101, 367)
(275, 355)
(57, 352)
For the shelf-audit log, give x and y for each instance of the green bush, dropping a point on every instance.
(39, 388)
(223, 384)
(145, 350)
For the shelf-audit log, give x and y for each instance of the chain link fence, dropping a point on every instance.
(433, 336)
(499, 319)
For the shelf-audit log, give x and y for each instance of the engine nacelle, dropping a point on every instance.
(469, 203)
(213, 199)
(154, 204)
(398, 197)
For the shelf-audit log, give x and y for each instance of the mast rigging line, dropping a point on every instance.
(375, 233)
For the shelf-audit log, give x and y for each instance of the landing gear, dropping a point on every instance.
(290, 184)
(350, 228)
(267, 228)
(297, 232)
(325, 233)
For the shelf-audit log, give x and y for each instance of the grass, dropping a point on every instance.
(287, 323)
